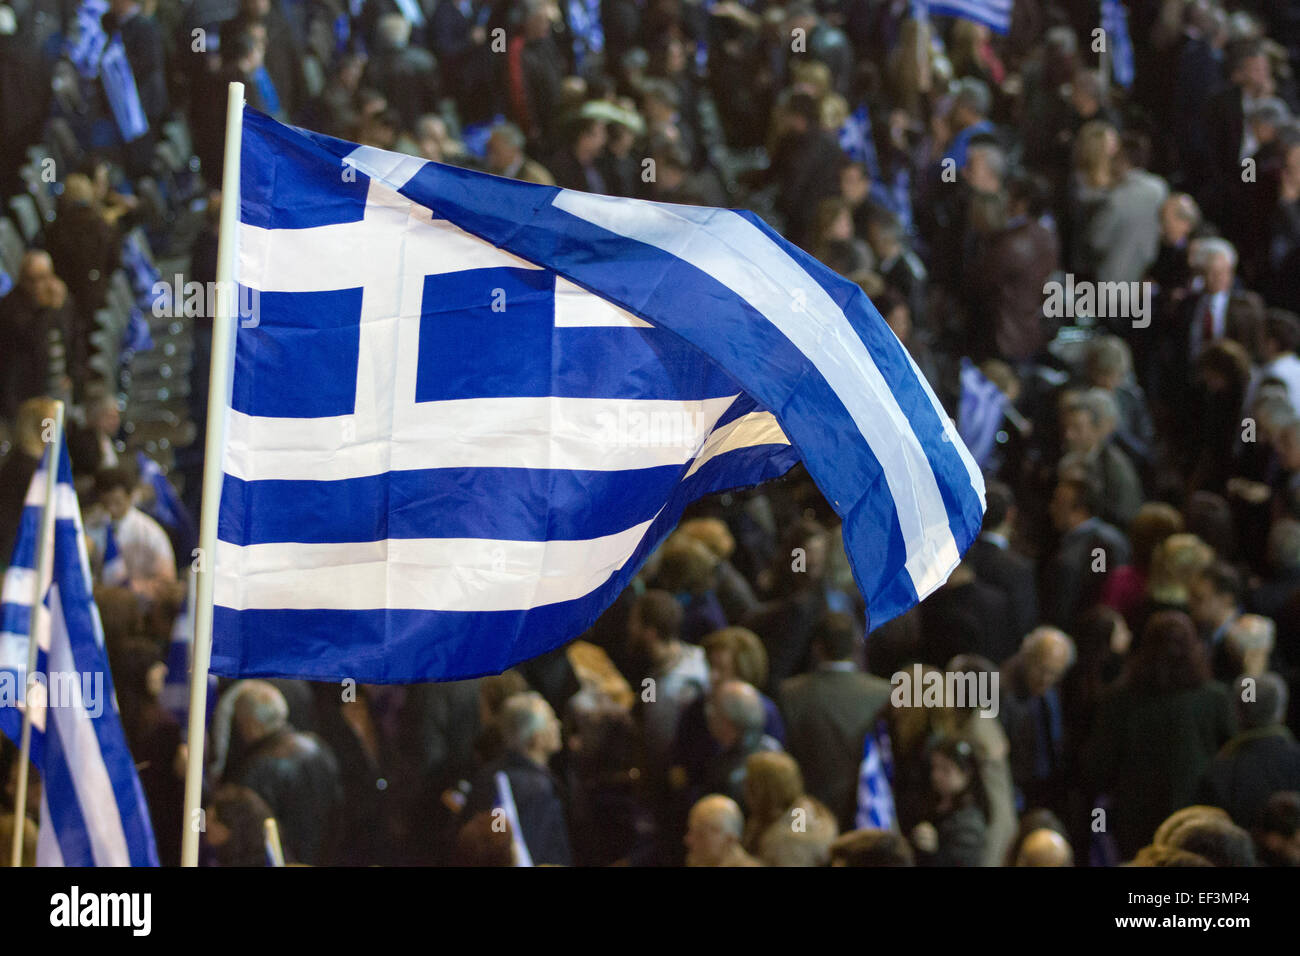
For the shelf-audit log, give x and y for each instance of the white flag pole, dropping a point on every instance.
(274, 851)
(213, 453)
(40, 623)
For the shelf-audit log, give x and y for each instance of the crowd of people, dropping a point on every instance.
(1112, 260)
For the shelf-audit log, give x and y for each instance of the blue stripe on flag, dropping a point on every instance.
(93, 826)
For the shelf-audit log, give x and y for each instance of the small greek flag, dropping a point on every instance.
(1114, 22)
(120, 88)
(857, 142)
(875, 794)
(93, 811)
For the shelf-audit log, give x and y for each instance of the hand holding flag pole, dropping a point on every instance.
(218, 401)
(40, 626)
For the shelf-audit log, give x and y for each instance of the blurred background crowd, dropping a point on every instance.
(1094, 258)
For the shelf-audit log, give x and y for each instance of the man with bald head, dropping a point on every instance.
(736, 718)
(1031, 715)
(1044, 847)
(36, 328)
(295, 773)
(713, 832)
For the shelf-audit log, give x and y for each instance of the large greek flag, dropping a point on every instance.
(994, 14)
(465, 409)
(93, 811)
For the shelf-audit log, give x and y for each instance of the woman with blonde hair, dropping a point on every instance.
(784, 826)
(1175, 562)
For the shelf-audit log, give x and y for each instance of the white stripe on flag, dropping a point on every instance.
(423, 574)
(576, 308)
(582, 434)
(735, 253)
(343, 255)
(81, 750)
(65, 497)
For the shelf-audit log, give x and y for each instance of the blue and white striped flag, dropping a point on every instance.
(875, 775)
(470, 407)
(1114, 21)
(980, 412)
(93, 811)
(994, 14)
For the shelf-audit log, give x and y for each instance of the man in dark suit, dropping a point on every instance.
(827, 715)
(295, 773)
(1031, 713)
(1261, 760)
(1250, 78)
(405, 74)
(1072, 578)
(965, 616)
(532, 737)
(995, 563)
(459, 37)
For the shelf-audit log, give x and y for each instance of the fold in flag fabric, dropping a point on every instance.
(93, 811)
(468, 408)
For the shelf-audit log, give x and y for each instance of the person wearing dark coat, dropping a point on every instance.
(805, 168)
(532, 737)
(459, 37)
(828, 713)
(997, 564)
(534, 76)
(577, 165)
(36, 324)
(354, 730)
(1008, 279)
(405, 74)
(1072, 579)
(295, 773)
(965, 616)
(1250, 80)
(1032, 712)
(1157, 731)
(142, 43)
(1261, 760)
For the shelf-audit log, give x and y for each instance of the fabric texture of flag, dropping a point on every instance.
(994, 14)
(469, 408)
(93, 811)
(120, 89)
(86, 46)
(875, 790)
(1114, 21)
(980, 414)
